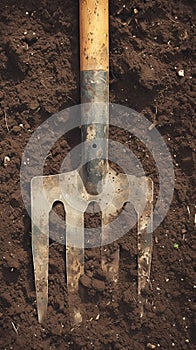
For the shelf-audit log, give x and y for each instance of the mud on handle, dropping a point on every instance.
(94, 80)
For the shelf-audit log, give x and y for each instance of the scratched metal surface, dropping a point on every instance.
(95, 120)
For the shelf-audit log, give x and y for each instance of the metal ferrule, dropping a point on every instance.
(95, 126)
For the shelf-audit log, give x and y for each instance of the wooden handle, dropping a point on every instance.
(94, 46)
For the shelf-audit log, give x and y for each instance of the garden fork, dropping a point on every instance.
(93, 181)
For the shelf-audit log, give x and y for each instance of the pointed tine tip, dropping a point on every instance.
(77, 318)
(42, 312)
(42, 305)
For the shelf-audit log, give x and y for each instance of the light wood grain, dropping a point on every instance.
(94, 43)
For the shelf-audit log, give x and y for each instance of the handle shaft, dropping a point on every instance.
(94, 44)
(94, 63)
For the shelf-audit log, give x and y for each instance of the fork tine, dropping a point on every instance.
(74, 260)
(145, 241)
(40, 245)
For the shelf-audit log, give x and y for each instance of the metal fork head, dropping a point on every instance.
(68, 188)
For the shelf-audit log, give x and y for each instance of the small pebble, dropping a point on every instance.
(27, 126)
(33, 104)
(151, 346)
(6, 161)
(181, 73)
(16, 129)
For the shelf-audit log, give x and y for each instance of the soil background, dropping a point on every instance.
(151, 71)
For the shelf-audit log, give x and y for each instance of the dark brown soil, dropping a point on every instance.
(150, 41)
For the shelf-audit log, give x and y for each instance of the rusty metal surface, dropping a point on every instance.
(145, 242)
(95, 124)
(40, 245)
(74, 261)
(69, 189)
